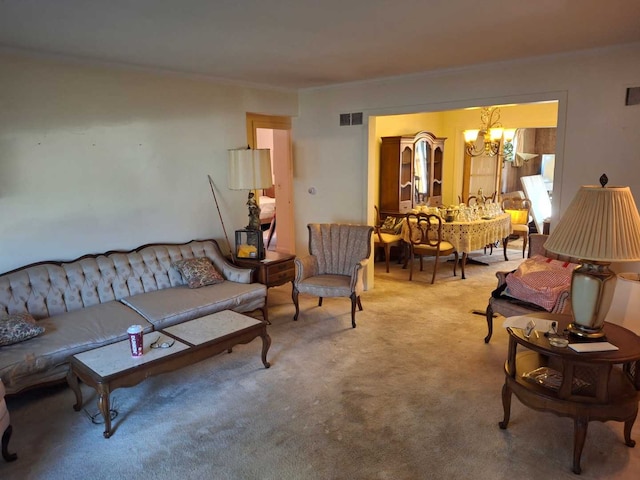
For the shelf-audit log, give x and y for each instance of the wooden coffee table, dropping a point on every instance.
(112, 366)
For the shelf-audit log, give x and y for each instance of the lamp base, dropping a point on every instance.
(581, 332)
(592, 287)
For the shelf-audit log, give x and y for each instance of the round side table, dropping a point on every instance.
(588, 386)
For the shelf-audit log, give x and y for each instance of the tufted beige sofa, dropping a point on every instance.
(91, 301)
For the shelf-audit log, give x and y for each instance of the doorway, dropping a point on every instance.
(274, 133)
(449, 121)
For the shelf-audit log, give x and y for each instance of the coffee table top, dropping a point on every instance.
(116, 357)
(211, 327)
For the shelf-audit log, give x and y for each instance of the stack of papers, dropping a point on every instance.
(593, 347)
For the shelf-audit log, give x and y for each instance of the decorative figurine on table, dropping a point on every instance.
(254, 213)
(481, 199)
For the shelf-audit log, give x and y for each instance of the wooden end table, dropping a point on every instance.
(610, 393)
(276, 268)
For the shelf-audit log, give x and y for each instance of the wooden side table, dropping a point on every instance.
(591, 387)
(276, 269)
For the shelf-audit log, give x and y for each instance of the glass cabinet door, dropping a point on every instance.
(421, 172)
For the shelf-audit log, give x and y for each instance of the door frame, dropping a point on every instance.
(283, 180)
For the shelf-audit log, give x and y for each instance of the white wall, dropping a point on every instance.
(94, 158)
(596, 132)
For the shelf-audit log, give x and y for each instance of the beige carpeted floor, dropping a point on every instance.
(412, 393)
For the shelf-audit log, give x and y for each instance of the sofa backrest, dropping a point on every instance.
(338, 247)
(51, 288)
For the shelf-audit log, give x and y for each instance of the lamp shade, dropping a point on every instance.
(249, 169)
(601, 224)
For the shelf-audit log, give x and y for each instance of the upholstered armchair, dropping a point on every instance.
(334, 266)
(5, 427)
(508, 306)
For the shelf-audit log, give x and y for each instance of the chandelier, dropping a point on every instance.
(493, 136)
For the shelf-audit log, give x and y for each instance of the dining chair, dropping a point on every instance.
(471, 200)
(425, 234)
(520, 210)
(386, 237)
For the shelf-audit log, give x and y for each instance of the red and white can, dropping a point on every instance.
(135, 340)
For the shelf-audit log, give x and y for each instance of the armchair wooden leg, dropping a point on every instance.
(294, 297)
(524, 244)
(354, 300)
(6, 436)
(489, 323)
(319, 301)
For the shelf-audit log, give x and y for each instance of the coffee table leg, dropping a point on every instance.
(266, 343)
(103, 406)
(72, 381)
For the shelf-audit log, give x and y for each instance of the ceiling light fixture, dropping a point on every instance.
(493, 136)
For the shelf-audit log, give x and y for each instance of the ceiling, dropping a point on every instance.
(296, 44)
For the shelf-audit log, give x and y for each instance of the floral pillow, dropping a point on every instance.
(198, 272)
(18, 327)
(392, 225)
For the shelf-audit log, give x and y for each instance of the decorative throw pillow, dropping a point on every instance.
(388, 224)
(392, 225)
(397, 229)
(18, 327)
(198, 272)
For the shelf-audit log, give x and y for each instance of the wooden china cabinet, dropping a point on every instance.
(410, 172)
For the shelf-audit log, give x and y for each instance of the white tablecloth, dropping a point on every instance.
(469, 236)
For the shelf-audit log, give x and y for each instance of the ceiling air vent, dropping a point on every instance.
(345, 119)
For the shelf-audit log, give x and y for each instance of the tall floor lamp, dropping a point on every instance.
(601, 226)
(250, 169)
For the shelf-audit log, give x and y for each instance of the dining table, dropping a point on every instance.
(467, 236)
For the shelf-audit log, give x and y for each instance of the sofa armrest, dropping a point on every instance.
(236, 274)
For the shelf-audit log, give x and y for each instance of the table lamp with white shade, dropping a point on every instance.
(250, 169)
(601, 226)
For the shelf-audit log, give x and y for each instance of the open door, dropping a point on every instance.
(274, 133)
